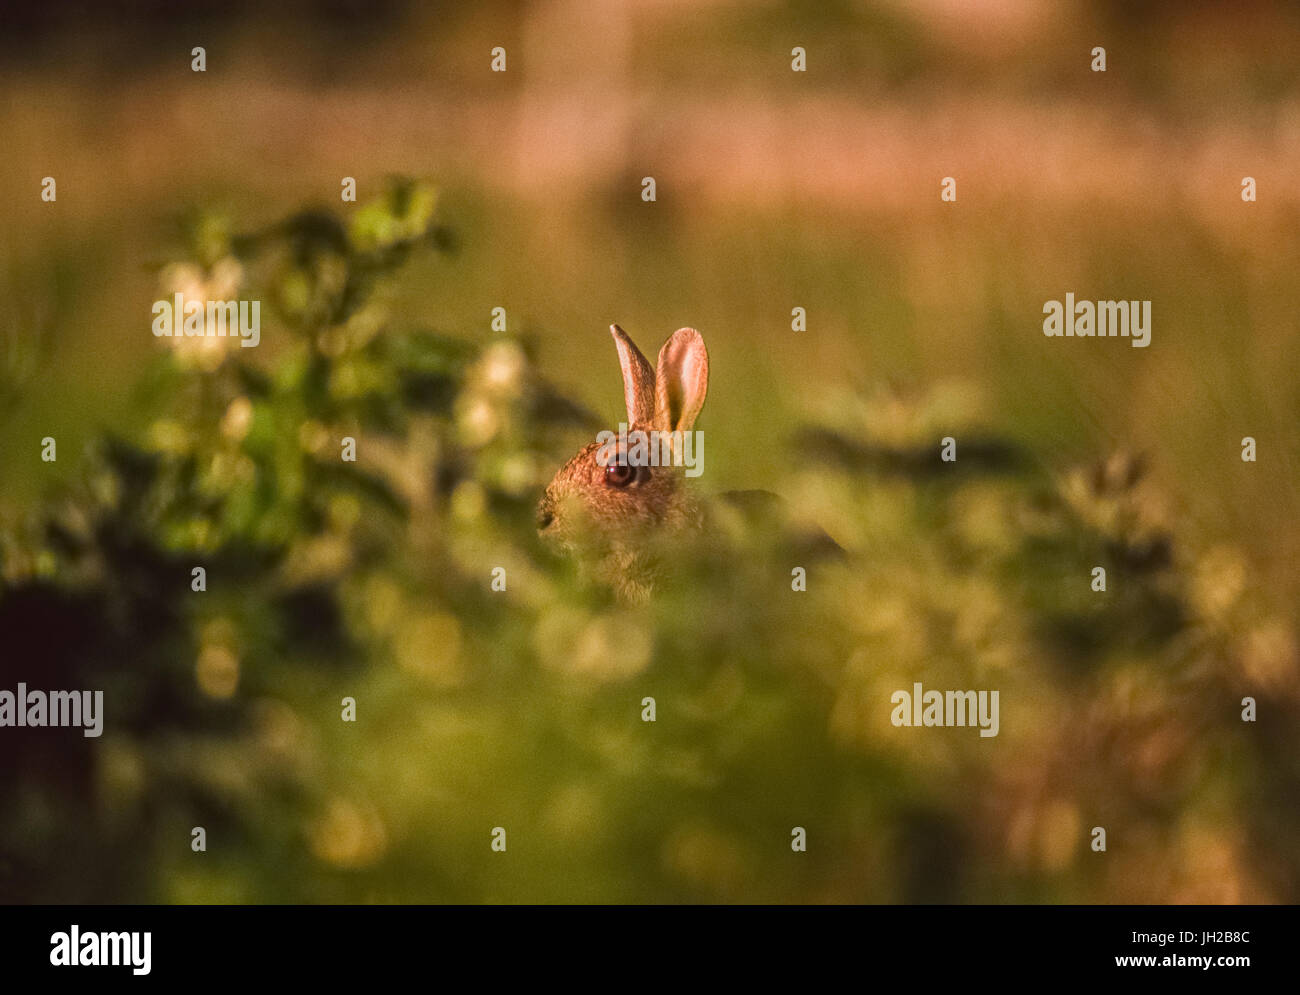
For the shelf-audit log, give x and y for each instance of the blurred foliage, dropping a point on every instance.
(522, 709)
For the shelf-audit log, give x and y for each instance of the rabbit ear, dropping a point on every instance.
(681, 382)
(638, 380)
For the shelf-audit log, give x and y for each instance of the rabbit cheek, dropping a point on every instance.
(545, 513)
(575, 522)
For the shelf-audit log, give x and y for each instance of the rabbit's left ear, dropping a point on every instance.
(681, 381)
(638, 380)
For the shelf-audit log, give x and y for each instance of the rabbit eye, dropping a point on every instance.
(619, 474)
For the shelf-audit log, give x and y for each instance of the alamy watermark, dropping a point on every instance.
(68, 709)
(651, 447)
(1099, 319)
(946, 708)
(214, 319)
(102, 949)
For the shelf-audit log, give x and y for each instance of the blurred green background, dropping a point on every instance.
(775, 190)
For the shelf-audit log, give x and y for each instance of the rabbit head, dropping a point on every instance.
(606, 506)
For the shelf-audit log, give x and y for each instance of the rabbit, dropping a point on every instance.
(623, 521)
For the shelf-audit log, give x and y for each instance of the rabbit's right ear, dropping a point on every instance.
(682, 381)
(638, 380)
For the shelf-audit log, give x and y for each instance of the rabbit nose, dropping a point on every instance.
(545, 514)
